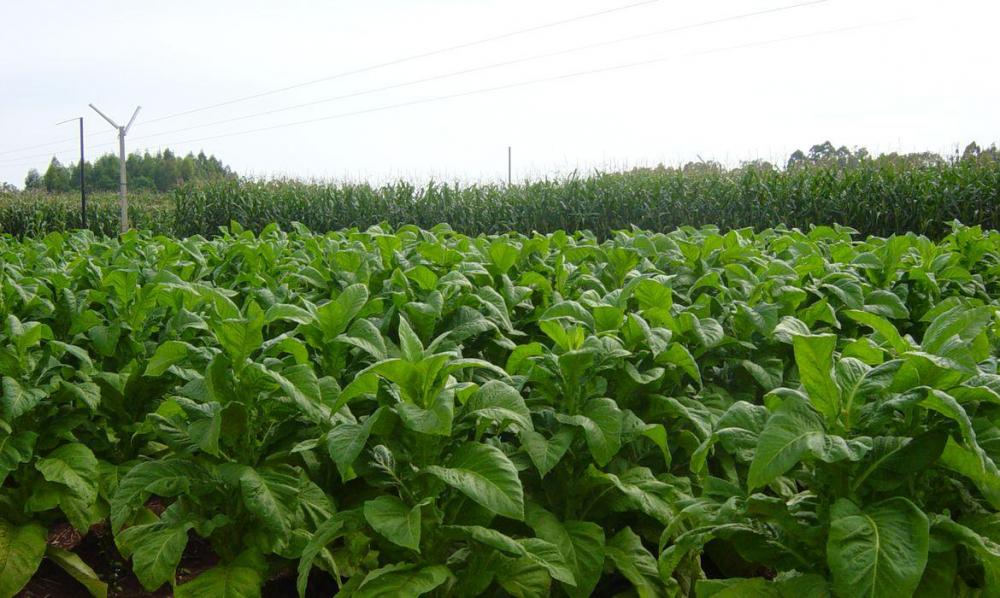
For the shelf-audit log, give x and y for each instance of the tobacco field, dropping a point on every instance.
(405, 412)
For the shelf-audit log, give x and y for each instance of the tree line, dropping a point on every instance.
(165, 170)
(161, 171)
(827, 155)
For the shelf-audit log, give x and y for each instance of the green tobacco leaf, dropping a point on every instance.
(601, 422)
(167, 355)
(739, 428)
(786, 438)
(546, 453)
(155, 551)
(239, 337)
(300, 384)
(87, 393)
(435, 420)
(21, 551)
(74, 466)
(675, 549)
(892, 459)
(499, 402)
(794, 431)
(367, 337)
(409, 343)
(327, 532)
(503, 255)
(485, 475)
(345, 441)
(543, 553)
(17, 400)
(796, 586)
(946, 405)
(550, 558)
(940, 575)
(394, 519)
(643, 490)
(15, 449)
(769, 373)
(883, 327)
(161, 478)
(78, 570)
(242, 578)
(814, 358)
(334, 316)
(887, 304)
(423, 276)
(580, 542)
(402, 580)
(880, 551)
(523, 578)
(972, 465)
(272, 496)
(285, 311)
(983, 547)
(635, 563)
(678, 355)
(959, 321)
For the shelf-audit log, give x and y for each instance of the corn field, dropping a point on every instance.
(875, 198)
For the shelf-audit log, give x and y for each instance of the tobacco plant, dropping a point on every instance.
(419, 412)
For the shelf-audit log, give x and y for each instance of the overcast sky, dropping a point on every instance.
(886, 74)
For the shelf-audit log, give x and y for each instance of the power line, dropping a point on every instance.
(360, 70)
(27, 161)
(538, 81)
(406, 59)
(51, 143)
(605, 43)
(535, 82)
(22, 158)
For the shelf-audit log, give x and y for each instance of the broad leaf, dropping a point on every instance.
(499, 402)
(241, 578)
(601, 421)
(74, 466)
(21, 551)
(546, 453)
(814, 358)
(402, 580)
(879, 551)
(793, 432)
(73, 565)
(395, 520)
(485, 475)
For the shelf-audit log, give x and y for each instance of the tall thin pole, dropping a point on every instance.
(122, 131)
(83, 182)
(83, 185)
(122, 191)
(508, 165)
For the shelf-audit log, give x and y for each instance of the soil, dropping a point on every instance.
(97, 549)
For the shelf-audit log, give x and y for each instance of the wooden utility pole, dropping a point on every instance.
(122, 131)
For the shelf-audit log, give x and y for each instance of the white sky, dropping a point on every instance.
(926, 82)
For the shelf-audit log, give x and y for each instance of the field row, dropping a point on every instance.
(878, 197)
(420, 412)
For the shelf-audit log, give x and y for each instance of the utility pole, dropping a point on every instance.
(122, 131)
(83, 184)
(508, 165)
